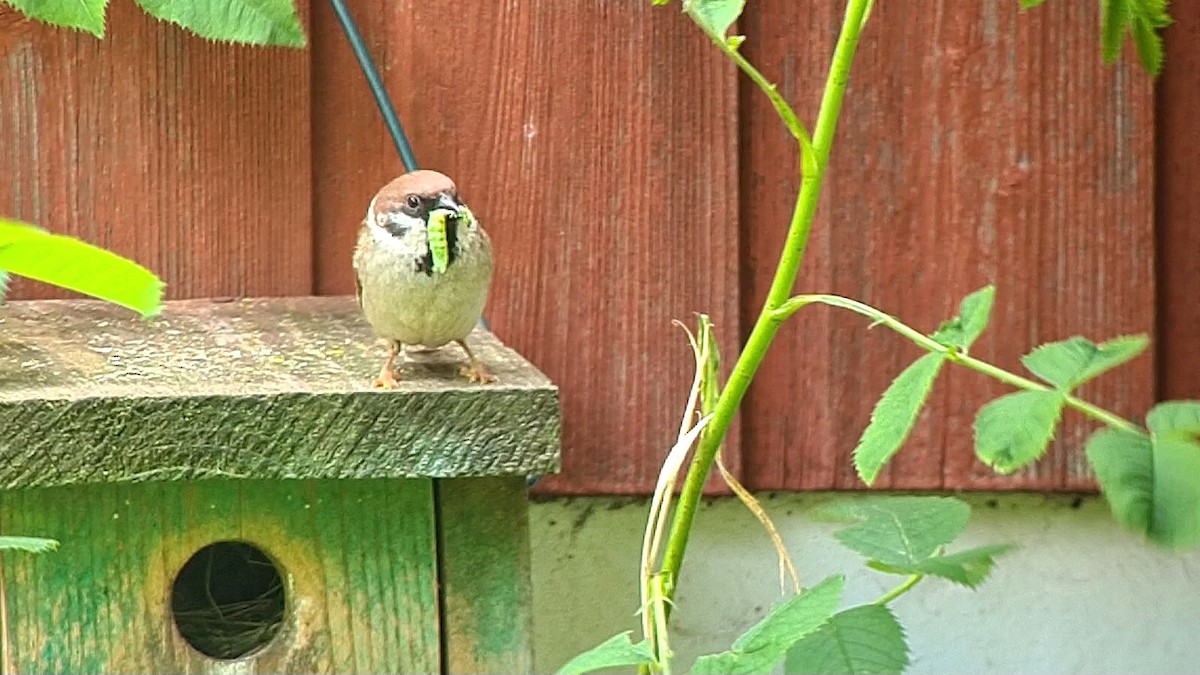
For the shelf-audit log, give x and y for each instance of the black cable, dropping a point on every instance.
(375, 82)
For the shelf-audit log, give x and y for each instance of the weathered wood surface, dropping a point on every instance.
(190, 156)
(606, 176)
(256, 388)
(487, 594)
(1178, 174)
(978, 144)
(357, 560)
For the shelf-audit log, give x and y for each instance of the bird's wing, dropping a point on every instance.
(358, 279)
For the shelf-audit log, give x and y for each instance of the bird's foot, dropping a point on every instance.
(476, 372)
(386, 380)
(387, 377)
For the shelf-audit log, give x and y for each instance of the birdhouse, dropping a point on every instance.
(231, 494)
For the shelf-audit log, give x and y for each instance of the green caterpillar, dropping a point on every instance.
(439, 248)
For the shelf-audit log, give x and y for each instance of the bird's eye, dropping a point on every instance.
(413, 201)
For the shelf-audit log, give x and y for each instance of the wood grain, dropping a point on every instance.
(596, 142)
(1177, 203)
(356, 557)
(978, 144)
(487, 595)
(190, 157)
(251, 389)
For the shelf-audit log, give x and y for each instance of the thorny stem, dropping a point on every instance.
(767, 325)
(955, 356)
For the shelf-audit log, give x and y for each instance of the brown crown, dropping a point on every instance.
(422, 182)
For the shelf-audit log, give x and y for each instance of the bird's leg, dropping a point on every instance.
(387, 378)
(474, 371)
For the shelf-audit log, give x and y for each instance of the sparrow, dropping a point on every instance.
(422, 266)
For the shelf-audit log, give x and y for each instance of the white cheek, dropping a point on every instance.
(415, 236)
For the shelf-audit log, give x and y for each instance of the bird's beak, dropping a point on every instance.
(445, 201)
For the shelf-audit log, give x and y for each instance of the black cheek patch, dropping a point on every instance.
(395, 229)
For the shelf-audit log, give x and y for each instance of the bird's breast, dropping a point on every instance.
(402, 302)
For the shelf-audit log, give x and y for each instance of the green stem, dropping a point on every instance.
(900, 590)
(768, 324)
(954, 355)
(659, 605)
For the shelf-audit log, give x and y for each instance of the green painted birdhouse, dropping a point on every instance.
(230, 494)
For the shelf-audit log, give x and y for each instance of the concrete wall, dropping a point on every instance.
(1079, 596)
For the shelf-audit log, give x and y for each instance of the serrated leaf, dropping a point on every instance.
(27, 544)
(969, 568)
(864, 640)
(1175, 419)
(1124, 466)
(761, 647)
(87, 15)
(1071, 362)
(1152, 484)
(30, 251)
(255, 22)
(714, 16)
(898, 530)
(974, 312)
(894, 416)
(1175, 520)
(1155, 11)
(1015, 429)
(616, 652)
(1112, 28)
(1149, 45)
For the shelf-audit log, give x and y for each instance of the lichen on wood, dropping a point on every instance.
(255, 388)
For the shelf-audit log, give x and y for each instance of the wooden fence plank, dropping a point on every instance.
(1178, 202)
(597, 143)
(978, 145)
(191, 157)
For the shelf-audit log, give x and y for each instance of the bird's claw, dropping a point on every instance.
(386, 380)
(476, 372)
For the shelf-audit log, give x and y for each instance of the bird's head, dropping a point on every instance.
(420, 214)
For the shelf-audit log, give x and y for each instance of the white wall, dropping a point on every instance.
(1079, 596)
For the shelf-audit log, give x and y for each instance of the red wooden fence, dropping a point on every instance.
(629, 177)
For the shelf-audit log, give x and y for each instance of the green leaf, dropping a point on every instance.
(899, 530)
(70, 263)
(85, 15)
(1026, 4)
(1071, 362)
(1124, 466)
(1175, 520)
(969, 568)
(974, 312)
(256, 22)
(615, 652)
(1153, 484)
(1175, 419)
(1112, 28)
(894, 416)
(28, 544)
(861, 640)
(1149, 46)
(761, 647)
(1015, 429)
(714, 16)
